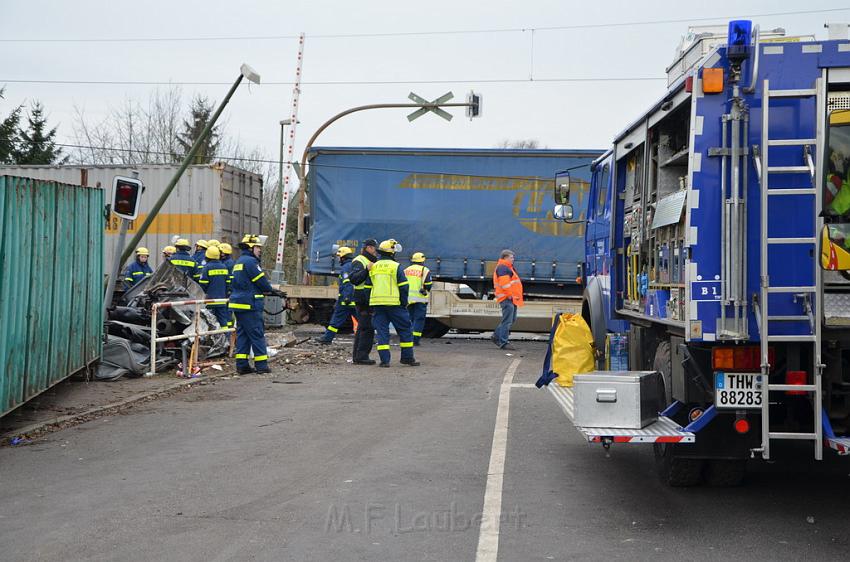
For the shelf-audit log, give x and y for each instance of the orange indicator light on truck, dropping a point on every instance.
(712, 80)
(739, 358)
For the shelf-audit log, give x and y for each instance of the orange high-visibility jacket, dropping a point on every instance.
(506, 282)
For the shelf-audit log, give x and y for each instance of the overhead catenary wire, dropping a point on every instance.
(273, 161)
(293, 36)
(341, 82)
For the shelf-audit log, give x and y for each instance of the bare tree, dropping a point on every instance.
(132, 133)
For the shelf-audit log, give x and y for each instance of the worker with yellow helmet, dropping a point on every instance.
(388, 298)
(200, 258)
(138, 270)
(182, 259)
(419, 278)
(215, 280)
(344, 307)
(247, 297)
(167, 252)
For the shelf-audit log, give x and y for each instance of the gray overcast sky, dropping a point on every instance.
(559, 115)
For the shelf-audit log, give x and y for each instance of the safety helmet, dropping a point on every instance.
(182, 243)
(213, 253)
(169, 250)
(225, 248)
(251, 240)
(213, 242)
(142, 251)
(418, 257)
(202, 244)
(389, 247)
(370, 242)
(344, 251)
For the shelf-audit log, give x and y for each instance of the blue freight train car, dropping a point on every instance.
(460, 207)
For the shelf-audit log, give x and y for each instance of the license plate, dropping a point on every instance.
(737, 390)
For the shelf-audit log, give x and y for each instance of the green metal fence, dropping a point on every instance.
(51, 284)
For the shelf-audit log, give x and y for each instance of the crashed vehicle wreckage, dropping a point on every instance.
(127, 348)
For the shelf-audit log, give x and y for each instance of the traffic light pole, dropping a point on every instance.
(116, 267)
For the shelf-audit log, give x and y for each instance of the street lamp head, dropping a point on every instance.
(288, 122)
(250, 74)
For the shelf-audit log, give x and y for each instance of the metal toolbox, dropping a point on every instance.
(617, 399)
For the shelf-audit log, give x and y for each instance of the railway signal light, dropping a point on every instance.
(126, 197)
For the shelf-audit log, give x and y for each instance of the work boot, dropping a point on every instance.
(322, 340)
(364, 361)
(507, 347)
(410, 362)
(385, 365)
(245, 371)
(263, 370)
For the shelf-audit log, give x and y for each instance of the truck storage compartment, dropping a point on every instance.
(617, 399)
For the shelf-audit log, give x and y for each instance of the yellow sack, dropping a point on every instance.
(572, 349)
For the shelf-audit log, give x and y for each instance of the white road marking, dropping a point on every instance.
(522, 385)
(488, 535)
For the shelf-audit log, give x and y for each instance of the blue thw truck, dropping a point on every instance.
(717, 231)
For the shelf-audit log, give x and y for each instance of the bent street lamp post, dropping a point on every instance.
(422, 107)
(244, 72)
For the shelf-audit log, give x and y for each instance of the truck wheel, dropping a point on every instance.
(673, 470)
(725, 473)
(434, 329)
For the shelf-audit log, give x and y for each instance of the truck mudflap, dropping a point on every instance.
(664, 430)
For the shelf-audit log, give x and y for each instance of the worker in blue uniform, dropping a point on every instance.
(215, 280)
(364, 337)
(344, 307)
(199, 258)
(138, 270)
(182, 259)
(419, 278)
(388, 298)
(247, 296)
(226, 252)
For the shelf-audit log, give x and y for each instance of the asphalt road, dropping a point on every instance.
(346, 463)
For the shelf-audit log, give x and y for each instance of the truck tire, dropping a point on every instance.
(674, 470)
(725, 473)
(434, 329)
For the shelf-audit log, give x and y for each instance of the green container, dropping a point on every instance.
(51, 284)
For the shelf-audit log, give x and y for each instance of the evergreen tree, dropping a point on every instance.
(200, 114)
(38, 144)
(9, 138)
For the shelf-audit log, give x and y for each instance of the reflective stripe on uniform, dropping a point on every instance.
(239, 306)
(238, 267)
(406, 344)
(261, 358)
(212, 272)
(257, 277)
(204, 281)
(382, 347)
(128, 279)
(241, 356)
(259, 296)
(138, 273)
(184, 263)
(417, 334)
(332, 329)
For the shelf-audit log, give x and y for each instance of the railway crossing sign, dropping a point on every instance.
(430, 106)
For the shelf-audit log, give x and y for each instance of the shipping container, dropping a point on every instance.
(210, 201)
(460, 207)
(51, 284)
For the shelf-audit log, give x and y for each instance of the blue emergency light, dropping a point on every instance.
(739, 40)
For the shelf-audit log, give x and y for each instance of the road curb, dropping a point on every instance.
(44, 426)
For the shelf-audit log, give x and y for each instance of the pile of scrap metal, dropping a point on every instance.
(127, 351)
